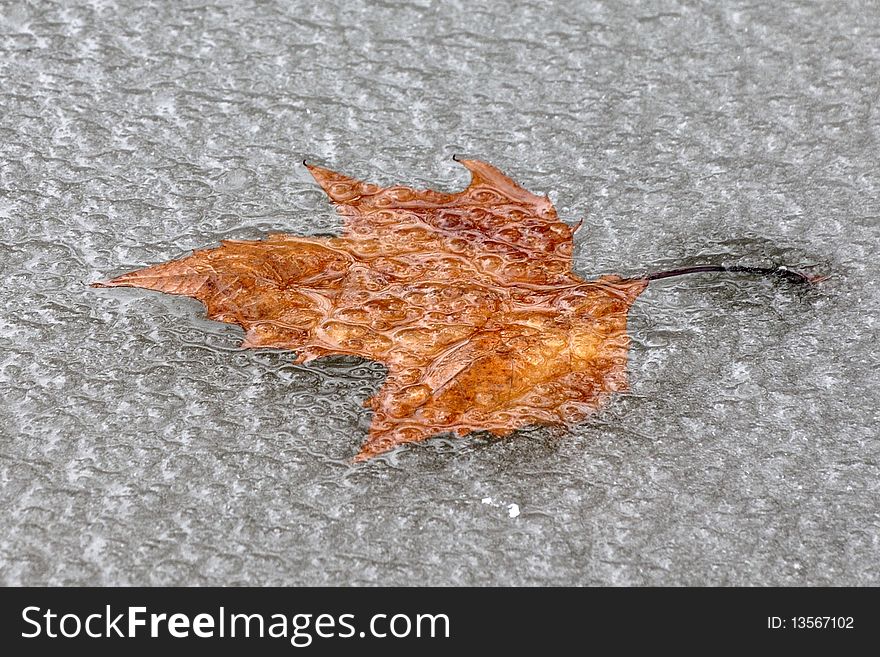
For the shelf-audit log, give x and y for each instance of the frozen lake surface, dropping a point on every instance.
(141, 445)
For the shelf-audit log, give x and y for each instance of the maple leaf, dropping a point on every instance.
(467, 298)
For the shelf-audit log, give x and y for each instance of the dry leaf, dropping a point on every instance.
(467, 298)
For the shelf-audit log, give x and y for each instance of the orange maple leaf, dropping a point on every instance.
(468, 299)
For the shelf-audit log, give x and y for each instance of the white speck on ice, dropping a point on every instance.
(512, 509)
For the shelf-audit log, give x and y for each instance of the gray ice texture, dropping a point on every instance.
(141, 445)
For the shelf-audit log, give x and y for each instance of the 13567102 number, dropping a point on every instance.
(821, 622)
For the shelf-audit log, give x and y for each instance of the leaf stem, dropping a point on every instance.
(780, 271)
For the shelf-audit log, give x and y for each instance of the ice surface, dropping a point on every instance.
(140, 445)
